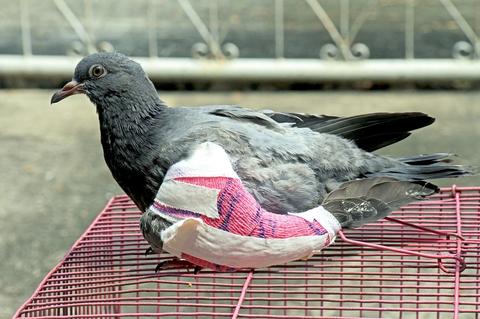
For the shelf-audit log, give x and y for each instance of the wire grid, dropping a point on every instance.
(106, 275)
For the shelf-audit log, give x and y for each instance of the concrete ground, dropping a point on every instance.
(54, 180)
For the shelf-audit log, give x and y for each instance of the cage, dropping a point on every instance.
(423, 262)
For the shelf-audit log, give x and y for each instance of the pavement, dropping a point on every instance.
(54, 180)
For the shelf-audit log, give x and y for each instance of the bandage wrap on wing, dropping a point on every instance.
(219, 225)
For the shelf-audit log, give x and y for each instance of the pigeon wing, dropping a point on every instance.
(369, 131)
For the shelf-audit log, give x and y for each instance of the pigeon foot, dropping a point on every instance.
(149, 251)
(177, 263)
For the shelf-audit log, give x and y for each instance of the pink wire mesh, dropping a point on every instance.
(106, 275)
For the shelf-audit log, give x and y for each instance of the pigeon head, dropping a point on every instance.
(106, 78)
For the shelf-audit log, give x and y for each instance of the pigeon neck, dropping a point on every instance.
(125, 123)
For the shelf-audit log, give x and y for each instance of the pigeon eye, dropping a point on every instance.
(97, 71)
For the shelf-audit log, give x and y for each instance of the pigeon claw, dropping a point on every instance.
(176, 263)
(160, 266)
(149, 251)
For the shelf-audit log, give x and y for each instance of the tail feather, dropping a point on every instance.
(415, 174)
(427, 159)
(363, 201)
(421, 167)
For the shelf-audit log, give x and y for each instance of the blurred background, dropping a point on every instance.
(338, 57)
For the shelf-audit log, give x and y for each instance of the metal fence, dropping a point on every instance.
(268, 40)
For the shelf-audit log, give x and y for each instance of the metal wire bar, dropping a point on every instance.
(279, 29)
(459, 250)
(331, 29)
(345, 19)
(309, 70)
(361, 18)
(201, 28)
(460, 262)
(213, 20)
(89, 24)
(410, 29)
(25, 24)
(152, 28)
(75, 24)
(242, 295)
(463, 24)
(438, 232)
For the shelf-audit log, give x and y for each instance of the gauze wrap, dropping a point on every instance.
(217, 224)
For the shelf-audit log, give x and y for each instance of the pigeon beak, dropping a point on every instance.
(71, 88)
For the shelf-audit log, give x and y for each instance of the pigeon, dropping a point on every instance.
(217, 224)
(289, 162)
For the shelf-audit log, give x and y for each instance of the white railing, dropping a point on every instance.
(341, 58)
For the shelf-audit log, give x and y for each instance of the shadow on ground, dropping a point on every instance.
(54, 181)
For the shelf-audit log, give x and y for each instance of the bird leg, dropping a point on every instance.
(177, 263)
